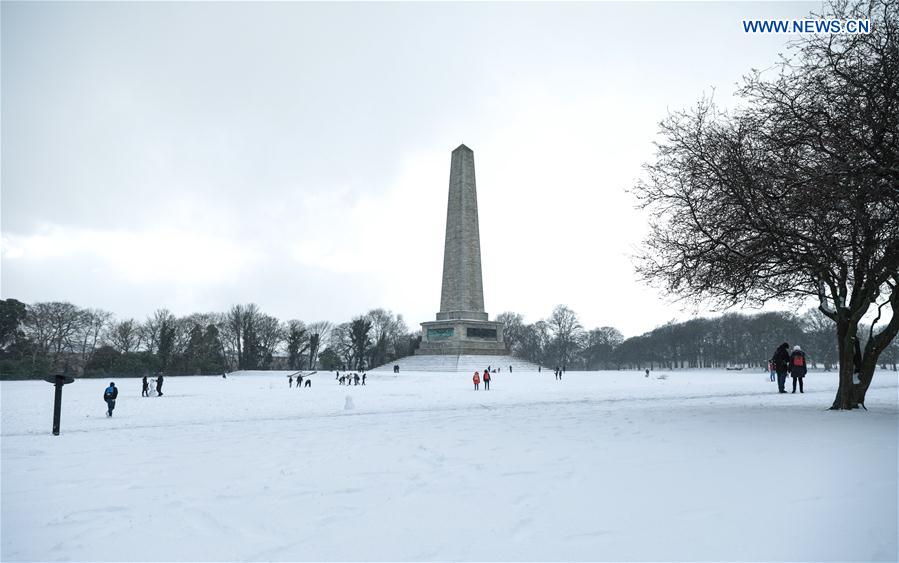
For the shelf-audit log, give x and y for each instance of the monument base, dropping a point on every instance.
(462, 336)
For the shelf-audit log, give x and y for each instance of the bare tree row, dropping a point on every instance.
(39, 338)
(731, 340)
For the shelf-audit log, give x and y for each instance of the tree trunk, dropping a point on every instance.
(874, 347)
(850, 396)
(845, 342)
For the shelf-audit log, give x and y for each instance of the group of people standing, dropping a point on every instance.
(145, 388)
(476, 379)
(785, 362)
(350, 378)
(299, 380)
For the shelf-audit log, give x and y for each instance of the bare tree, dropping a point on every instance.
(239, 328)
(341, 341)
(599, 347)
(513, 330)
(387, 333)
(319, 339)
(535, 343)
(271, 335)
(92, 326)
(124, 336)
(567, 333)
(795, 195)
(153, 329)
(52, 327)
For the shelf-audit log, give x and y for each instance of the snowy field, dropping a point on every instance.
(710, 465)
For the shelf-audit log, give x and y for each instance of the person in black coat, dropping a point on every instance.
(145, 388)
(797, 367)
(781, 361)
(109, 395)
(159, 386)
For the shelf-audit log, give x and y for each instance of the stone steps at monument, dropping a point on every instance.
(454, 363)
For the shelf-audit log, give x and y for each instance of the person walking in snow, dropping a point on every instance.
(477, 380)
(290, 381)
(159, 386)
(109, 395)
(363, 378)
(145, 388)
(771, 370)
(781, 361)
(797, 367)
(299, 380)
(487, 381)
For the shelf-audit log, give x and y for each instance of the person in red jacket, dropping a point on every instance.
(476, 379)
(487, 380)
(798, 367)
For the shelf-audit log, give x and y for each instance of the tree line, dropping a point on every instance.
(731, 340)
(42, 338)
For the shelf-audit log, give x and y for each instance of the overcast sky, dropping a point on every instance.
(296, 155)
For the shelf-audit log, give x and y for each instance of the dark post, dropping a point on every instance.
(57, 405)
(58, 381)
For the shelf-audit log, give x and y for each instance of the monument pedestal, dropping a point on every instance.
(462, 336)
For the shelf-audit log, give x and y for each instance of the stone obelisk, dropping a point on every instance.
(462, 296)
(462, 325)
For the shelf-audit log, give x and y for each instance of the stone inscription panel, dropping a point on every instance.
(488, 333)
(440, 333)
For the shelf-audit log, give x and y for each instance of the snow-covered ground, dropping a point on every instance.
(604, 465)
